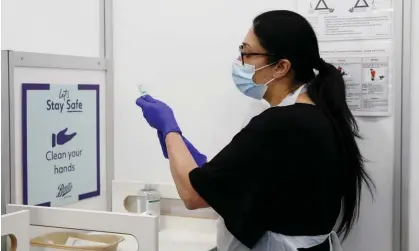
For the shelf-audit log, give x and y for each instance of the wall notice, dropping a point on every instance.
(60, 140)
(367, 84)
(335, 20)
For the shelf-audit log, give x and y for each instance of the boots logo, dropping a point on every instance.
(63, 190)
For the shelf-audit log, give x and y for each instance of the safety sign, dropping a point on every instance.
(321, 5)
(60, 143)
(361, 4)
(336, 20)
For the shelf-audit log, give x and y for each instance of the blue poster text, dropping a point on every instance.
(69, 106)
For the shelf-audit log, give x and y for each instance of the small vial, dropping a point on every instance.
(148, 201)
(142, 90)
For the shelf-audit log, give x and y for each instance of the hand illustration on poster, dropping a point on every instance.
(60, 139)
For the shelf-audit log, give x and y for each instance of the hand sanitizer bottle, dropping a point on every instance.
(149, 201)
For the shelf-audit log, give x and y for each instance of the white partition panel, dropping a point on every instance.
(412, 197)
(54, 69)
(143, 228)
(16, 226)
(70, 27)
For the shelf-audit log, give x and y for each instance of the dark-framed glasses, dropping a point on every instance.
(243, 53)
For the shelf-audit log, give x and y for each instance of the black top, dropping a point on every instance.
(280, 173)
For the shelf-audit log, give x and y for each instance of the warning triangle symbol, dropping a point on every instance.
(364, 4)
(321, 5)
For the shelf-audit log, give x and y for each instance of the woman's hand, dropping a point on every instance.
(183, 156)
(158, 115)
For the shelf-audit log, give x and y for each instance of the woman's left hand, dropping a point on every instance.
(158, 115)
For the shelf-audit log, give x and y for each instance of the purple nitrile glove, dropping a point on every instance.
(199, 158)
(158, 115)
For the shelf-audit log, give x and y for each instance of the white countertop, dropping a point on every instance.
(174, 240)
(179, 234)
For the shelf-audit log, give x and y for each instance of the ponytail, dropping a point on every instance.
(327, 90)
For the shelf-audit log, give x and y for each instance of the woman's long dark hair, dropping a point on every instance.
(287, 35)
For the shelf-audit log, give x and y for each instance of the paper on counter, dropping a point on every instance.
(76, 242)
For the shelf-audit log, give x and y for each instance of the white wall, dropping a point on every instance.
(66, 27)
(414, 157)
(182, 51)
(69, 27)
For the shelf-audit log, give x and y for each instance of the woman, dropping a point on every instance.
(285, 178)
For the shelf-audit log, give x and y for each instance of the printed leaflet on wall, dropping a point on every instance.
(367, 84)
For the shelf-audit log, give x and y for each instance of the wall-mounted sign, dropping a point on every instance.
(60, 143)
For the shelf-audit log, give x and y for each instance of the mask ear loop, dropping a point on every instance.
(263, 67)
(270, 81)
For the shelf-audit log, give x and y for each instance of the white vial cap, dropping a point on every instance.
(142, 90)
(148, 187)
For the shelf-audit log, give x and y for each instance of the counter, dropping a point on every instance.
(180, 234)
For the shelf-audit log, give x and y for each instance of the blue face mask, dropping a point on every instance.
(243, 78)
